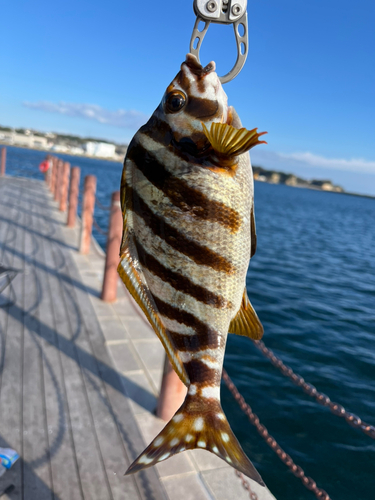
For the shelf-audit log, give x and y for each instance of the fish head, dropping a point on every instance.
(195, 96)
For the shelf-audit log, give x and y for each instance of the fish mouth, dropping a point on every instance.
(196, 68)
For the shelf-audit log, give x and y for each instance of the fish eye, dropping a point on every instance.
(175, 101)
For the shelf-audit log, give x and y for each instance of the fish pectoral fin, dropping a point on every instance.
(230, 141)
(246, 321)
(207, 430)
(135, 284)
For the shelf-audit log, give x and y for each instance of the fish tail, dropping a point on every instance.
(190, 428)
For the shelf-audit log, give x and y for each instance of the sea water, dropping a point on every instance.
(312, 283)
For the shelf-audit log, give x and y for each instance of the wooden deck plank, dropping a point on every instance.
(65, 477)
(103, 416)
(147, 481)
(35, 433)
(62, 402)
(11, 384)
(89, 460)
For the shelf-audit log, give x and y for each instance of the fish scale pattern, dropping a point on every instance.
(188, 223)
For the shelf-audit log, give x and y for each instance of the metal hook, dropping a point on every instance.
(222, 12)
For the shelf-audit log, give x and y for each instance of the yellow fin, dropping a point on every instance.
(135, 283)
(207, 428)
(230, 141)
(246, 321)
(253, 233)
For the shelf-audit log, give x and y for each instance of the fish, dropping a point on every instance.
(187, 200)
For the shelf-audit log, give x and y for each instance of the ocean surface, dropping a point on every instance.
(312, 283)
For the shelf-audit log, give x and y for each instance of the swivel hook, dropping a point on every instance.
(222, 12)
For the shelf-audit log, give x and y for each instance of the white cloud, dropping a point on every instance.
(353, 165)
(119, 118)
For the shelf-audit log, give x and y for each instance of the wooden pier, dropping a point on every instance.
(79, 378)
(62, 403)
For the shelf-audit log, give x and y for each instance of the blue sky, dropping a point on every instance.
(100, 69)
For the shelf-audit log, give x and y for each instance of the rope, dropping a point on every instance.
(308, 482)
(103, 207)
(246, 485)
(321, 398)
(101, 231)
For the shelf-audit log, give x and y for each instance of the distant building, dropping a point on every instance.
(28, 141)
(102, 149)
(75, 150)
(274, 178)
(60, 148)
(291, 180)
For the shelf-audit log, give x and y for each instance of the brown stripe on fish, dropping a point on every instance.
(179, 281)
(202, 375)
(211, 338)
(158, 130)
(201, 108)
(192, 149)
(182, 80)
(199, 254)
(193, 343)
(185, 83)
(180, 193)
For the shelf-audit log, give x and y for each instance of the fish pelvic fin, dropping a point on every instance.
(134, 283)
(190, 428)
(246, 321)
(230, 141)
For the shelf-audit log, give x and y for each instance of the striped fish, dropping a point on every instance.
(189, 233)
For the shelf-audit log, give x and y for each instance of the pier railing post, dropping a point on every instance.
(88, 206)
(172, 392)
(64, 186)
(73, 196)
(53, 175)
(59, 172)
(110, 280)
(47, 174)
(3, 161)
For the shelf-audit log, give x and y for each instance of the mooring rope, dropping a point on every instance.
(246, 485)
(321, 398)
(99, 229)
(308, 482)
(101, 206)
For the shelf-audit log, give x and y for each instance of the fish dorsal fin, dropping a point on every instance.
(135, 283)
(230, 141)
(246, 321)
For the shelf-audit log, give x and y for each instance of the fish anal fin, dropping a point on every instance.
(246, 321)
(134, 283)
(230, 141)
(188, 430)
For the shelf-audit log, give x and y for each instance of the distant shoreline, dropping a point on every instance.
(312, 188)
(56, 153)
(317, 189)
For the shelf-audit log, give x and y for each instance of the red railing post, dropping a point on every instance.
(53, 175)
(172, 392)
(64, 186)
(88, 206)
(3, 161)
(110, 280)
(73, 196)
(47, 175)
(58, 180)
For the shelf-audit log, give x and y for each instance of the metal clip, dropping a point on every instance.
(222, 12)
